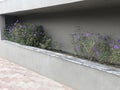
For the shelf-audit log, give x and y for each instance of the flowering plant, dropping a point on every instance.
(32, 35)
(83, 45)
(115, 56)
(101, 48)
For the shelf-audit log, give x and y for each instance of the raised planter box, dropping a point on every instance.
(74, 72)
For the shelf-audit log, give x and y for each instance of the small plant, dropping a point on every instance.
(101, 48)
(32, 35)
(115, 56)
(83, 44)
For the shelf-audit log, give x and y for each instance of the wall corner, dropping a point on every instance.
(2, 26)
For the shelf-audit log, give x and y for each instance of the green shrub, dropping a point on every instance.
(101, 48)
(83, 45)
(115, 56)
(27, 34)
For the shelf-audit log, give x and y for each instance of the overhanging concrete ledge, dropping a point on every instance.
(14, 7)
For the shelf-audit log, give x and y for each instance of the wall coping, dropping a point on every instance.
(93, 65)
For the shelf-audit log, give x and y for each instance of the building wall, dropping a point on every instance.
(61, 25)
(2, 26)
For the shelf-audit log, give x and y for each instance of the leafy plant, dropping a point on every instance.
(83, 44)
(101, 48)
(115, 56)
(27, 34)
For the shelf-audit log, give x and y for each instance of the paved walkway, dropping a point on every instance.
(15, 77)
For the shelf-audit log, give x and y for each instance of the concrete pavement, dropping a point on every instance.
(15, 77)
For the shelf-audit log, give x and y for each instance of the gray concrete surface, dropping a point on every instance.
(77, 76)
(15, 77)
(57, 24)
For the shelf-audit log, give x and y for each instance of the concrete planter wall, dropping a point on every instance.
(92, 15)
(74, 72)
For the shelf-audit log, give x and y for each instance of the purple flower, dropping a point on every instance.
(9, 29)
(116, 47)
(34, 35)
(41, 33)
(97, 53)
(16, 22)
(78, 36)
(118, 40)
(94, 49)
(88, 34)
(99, 36)
(36, 32)
(24, 26)
(105, 38)
(77, 48)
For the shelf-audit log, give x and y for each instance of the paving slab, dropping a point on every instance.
(15, 77)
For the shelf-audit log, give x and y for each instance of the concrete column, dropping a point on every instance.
(2, 26)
